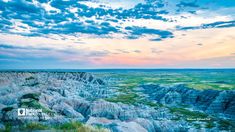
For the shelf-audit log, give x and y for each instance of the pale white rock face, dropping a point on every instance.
(100, 120)
(147, 124)
(117, 125)
(130, 127)
(105, 109)
(67, 110)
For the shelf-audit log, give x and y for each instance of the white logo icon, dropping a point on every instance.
(21, 111)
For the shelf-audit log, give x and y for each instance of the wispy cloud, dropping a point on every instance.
(137, 51)
(156, 51)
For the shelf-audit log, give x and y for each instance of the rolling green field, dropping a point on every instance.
(218, 80)
(127, 82)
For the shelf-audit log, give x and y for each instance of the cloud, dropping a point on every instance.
(55, 17)
(98, 53)
(220, 24)
(79, 27)
(199, 44)
(100, 18)
(137, 51)
(156, 51)
(136, 32)
(184, 4)
(4, 46)
(123, 51)
(11, 53)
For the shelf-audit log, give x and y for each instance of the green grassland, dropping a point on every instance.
(70, 126)
(127, 83)
(196, 80)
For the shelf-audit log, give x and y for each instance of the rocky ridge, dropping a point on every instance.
(210, 101)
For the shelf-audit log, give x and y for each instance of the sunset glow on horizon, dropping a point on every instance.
(98, 34)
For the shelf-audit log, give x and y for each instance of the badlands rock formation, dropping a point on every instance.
(78, 96)
(210, 101)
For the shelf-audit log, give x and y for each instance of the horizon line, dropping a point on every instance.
(118, 68)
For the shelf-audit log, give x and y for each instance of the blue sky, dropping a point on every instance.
(117, 34)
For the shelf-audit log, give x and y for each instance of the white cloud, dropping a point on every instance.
(73, 9)
(6, 0)
(187, 19)
(19, 27)
(49, 8)
(114, 4)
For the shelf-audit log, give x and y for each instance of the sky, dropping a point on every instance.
(100, 34)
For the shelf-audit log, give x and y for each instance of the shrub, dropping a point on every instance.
(34, 96)
(34, 126)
